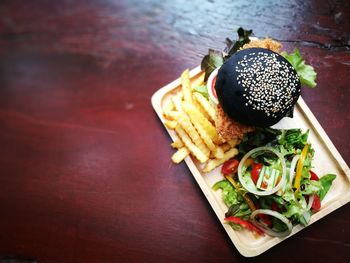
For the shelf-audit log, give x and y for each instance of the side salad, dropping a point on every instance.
(270, 186)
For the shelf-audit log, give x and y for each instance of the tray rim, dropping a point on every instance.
(156, 101)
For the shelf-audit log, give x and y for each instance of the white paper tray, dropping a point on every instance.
(326, 160)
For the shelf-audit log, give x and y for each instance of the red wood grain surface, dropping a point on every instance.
(85, 169)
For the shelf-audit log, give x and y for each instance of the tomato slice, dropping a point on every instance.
(256, 168)
(313, 176)
(316, 204)
(213, 87)
(244, 224)
(230, 167)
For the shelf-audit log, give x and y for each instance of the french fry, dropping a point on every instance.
(233, 142)
(168, 106)
(209, 109)
(176, 99)
(173, 115)
(225, 147)
(219, 153)
(186, 124)
(200, 108)
(213, 163)
(170, 124)
(198, 118)
(180, 94)
(199, 81)
(186, 85)
(180, 154)
(205, 136)
(177, 144)
(197, 153)
(195, 118)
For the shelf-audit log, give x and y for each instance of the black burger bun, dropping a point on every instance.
(257, 87)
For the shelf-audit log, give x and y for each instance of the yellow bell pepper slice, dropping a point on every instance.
(300, 166)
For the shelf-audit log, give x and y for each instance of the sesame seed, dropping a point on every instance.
(265, 77)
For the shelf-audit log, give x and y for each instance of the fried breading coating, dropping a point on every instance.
(267, 43)
(228, 128)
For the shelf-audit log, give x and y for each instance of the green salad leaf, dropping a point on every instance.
(257, 138)
(211, 61)
(202, 90)
(243, 38)
(310, 187)
(293, 138)
(233, 200)
(306, 73)
(229, 193)
(215, 58)
(326, 182)
(296, 209)
(243, 212)
(278, 225)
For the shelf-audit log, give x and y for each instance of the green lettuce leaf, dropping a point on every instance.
(229, 193)
(278, 225)
(293, 138)
(310, 187)
(326, 182)
(202, 90)
(211, 61)
(257, 138)
(288, 194)
(215, 58)
(233, 200)
(233, 46)
(293, 210)
(243, 211)
(306, 73)
(296, 210)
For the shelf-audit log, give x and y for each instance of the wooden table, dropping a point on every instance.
(85, 169)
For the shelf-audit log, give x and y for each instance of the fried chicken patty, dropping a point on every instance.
(228, 128)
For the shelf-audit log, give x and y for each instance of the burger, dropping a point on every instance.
(254, 83)
(257, 87)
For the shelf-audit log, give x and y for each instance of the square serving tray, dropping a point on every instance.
(326, 160)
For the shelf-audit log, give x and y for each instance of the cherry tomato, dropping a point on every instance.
(230, 167)
(313, 176)
(316, 204)
(256, 168)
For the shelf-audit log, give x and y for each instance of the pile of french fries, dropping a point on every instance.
(192, 116)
